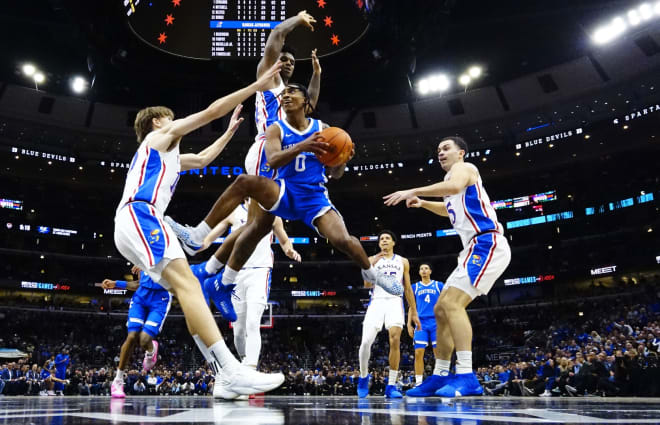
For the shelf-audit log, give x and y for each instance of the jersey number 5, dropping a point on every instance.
(300, 163)
(450, 211)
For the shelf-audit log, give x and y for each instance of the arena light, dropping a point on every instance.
(657, 8)
(475, 71)
(645, 11)
(39, 78)
(433, 84)
(29, 69)
(607, 33)
(78, 84)
(464, 79)
(633, 17)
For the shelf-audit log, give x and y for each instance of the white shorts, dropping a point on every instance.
(144, 239)
(386, 312)
(256, 163)
(252, 286)
(480, 264)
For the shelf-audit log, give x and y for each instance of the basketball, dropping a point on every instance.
(339, 149)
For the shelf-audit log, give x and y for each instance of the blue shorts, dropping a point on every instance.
(148, 311)
(427, 334)
(304, 202)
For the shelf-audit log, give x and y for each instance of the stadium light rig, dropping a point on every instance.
(438, 83)
(617, 26)
(79, 84)
(33, 73)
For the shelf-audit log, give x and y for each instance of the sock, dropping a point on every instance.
(370, 274)
(120, 375)
(201, 230)
(229, 276)
(148, 354)
(441, 367)
(213, 265)
(221, 354)
(419, 379)
(463, 362)
(205, 352)
(392, 378)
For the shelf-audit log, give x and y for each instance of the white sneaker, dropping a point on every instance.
(546, 393)
(51, 392)
(390, 284)
(186, 235)
(221, 387)
(245, 380)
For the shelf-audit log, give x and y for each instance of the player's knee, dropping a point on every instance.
(132, 337)
(342, 242)
(145, 340)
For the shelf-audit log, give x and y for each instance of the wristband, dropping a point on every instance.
(121, 284)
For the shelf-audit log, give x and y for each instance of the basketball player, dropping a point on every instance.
(426, 293)
(253, 284)
(297, 193)
(485, 256)
(146, 317)
(386, 310)
(143, 238)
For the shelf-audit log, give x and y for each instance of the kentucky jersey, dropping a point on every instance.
(426, 297)
(147, 283)
(306, 167)
(152, 177)
(262, 256)
(267, 107)
(470, 211)
(389, 266)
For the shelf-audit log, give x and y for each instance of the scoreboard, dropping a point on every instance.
(238, 29)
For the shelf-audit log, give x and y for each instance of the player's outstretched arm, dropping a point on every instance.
(131, 285)
(284, 241)
(439, 208)
(314, 88)
(191, 161)
(461, 177)
(278, 157)
(410, 296)
(277, 37)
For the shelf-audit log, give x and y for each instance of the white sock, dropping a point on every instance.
(441, 367)
(463, 362)
(419, 379)
(201, 230)
(221, 354)
(205, 352)
(148, 354)
(120, 375)
(229, 276)
(370, 274)
(213, 265)
(393, 376)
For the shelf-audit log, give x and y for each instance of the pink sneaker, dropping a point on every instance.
(150, 361)
(117, 389)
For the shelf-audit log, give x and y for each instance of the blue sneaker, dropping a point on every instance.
(430, 385)
(221, 296)
(185, 235)
(391, 392)
(208, 288)
(363, 387)
(463, 385)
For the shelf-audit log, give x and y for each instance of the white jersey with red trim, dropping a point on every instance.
(152, 177)
(267, 107)
(470, 211)
(392, 267)
(262, 256)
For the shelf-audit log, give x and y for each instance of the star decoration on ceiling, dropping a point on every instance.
(169, 19)
(161, 38)
(321, 3)
(176, 3)
(328, 21)
(335, 40)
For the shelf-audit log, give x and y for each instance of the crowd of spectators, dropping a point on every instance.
(582, 347)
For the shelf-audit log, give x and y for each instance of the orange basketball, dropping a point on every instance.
(339, 149)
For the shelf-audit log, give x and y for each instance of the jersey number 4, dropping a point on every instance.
(427, 298)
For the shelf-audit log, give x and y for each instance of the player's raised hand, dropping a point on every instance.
(396, 197)
(265, 81)
(293, 254)
(314, 144)
(307, 19)
(414, 202)
(316, 65)
(108, 284)
(235, 120)
(373, 260)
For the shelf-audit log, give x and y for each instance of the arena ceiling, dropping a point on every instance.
(405, 41)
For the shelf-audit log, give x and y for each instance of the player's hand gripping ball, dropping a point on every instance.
(339, 147)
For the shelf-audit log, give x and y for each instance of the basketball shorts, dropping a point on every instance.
(480, 264)
(256, 163)
(252, 286)
(148, 311)
(427, 334)
(304, 202)
(386, 312)
(144, 239)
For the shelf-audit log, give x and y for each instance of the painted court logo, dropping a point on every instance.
(153, 238)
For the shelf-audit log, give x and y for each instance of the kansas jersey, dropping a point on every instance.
(390, 266)
(152, 177)
(426, 297)
(470, 211)
(262, 256)
(267, 107)
(306, 167)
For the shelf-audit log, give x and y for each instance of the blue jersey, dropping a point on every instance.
(61, 362)
(426, 296)
(306, 167)
(147, 283)
(44, 374)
